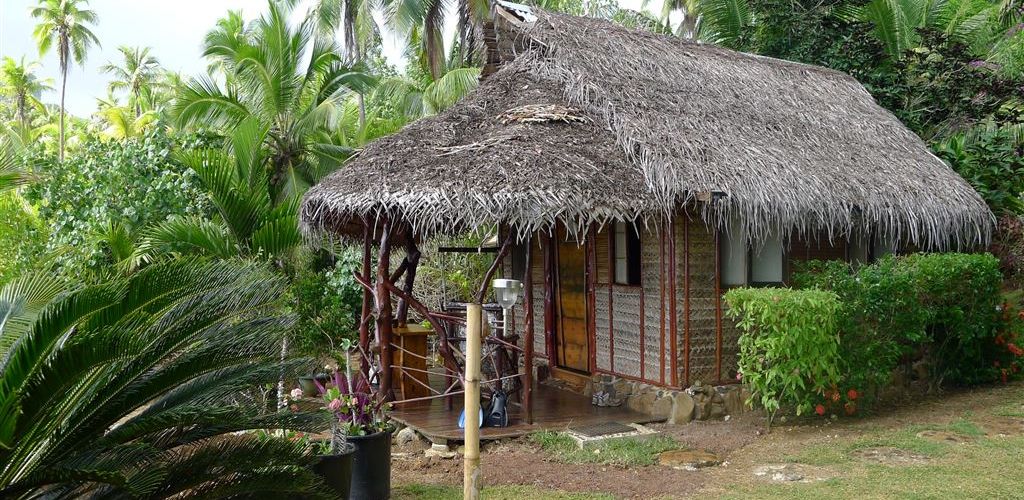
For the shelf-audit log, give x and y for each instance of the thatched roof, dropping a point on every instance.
(649, 123)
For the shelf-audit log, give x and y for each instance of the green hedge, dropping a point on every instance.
(789, 351)
(942, 307)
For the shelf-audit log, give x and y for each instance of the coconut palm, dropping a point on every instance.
(64, 24)
(426, 18)
(291, 81)
(19, 82)
(248, 222)
(360, 32)
(123, 124)
(138, 74)
(130, 388)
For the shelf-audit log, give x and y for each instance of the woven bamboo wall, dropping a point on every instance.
(652, 273)
(602, 302)
(703, 302)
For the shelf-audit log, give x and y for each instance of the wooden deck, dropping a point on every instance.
(553, 409)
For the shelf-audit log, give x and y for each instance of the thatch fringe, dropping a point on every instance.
(594, 122)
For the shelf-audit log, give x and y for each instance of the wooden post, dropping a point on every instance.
(384, 316)
(549, 299)
(364, 323)
(528, 334)
(471, 461)
(412, 258)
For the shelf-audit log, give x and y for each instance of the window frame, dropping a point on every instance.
(633, 255)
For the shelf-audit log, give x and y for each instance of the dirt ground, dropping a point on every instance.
(748, 453)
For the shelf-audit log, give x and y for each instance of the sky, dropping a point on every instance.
(174, 29)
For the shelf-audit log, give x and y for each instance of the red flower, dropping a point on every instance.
(820, 410)
(851, 394)
(1017, 351)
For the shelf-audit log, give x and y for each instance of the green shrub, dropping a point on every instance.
(132, 183)
(945, 307)
(328, 302)
(789, 349)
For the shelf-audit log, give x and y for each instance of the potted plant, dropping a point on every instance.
(335, 465)
(360, 419)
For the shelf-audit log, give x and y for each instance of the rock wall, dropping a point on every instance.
(698, 402)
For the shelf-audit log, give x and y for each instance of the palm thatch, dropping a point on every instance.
(640, 124)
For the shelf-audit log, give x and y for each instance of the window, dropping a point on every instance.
(733, 248)
(741, 264)
(766, 261)
(626, 249)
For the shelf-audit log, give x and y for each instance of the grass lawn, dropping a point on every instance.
(624, 452)
(437, 492)
(985, 465)
(967, 444)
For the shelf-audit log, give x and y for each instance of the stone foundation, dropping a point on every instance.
(698, 402)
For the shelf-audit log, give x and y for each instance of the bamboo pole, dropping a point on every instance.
(471, 460)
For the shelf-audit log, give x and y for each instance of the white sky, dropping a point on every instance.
(173, 28)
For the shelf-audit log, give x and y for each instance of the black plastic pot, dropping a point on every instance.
(336, 470)
(371, 466)
(308, 385)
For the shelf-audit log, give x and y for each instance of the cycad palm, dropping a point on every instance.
(64, 24)
(136, 75)
(291, 82)
(19, 83)
(129, 388)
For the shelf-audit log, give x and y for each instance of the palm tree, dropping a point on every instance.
(20, 83)
(138, 75)
(359, 29)
(64, 23)
(13, 173)
(123, 124)
(425, 20)
(249, 222)
(140, 387)
(291, 81)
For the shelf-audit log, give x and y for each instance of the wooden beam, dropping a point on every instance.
(591, 278)
(527, 396)
(435, 321)
(384, 316)
(549, 299)
(672, 315)
(482, 293)
(412, 261)
(364, 323)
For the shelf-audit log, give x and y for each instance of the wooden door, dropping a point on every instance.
(572, 340)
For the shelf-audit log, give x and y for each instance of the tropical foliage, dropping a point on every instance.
(64, 27)
(288, 81)
(132, 387)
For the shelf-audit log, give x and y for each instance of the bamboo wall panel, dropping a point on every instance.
(703, 302)
(651, 281)
(601, 333)
(626, 328)
(681, 278)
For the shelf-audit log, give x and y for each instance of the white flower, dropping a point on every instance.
(296, 393)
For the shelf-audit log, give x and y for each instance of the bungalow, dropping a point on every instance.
(635, 177)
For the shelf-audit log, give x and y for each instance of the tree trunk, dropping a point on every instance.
(63, 88)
